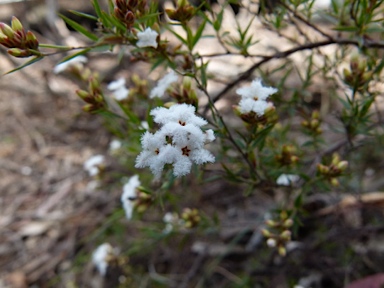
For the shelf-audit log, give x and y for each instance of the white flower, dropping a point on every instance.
(256, 91)
(171, 221)
(163, 85)
(180, 141)
(254, 97)
(271, 243)
(100, 257)
(287, 179)
(93, 164)
(129, 195)
(115, 145)
(147, 38)
(78, 60)
(120, 92)
(178, 113)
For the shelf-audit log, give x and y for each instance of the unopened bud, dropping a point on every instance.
(6, 30)
(342, 165)
(282, 251)
(32, 40)
(271, 223)
(286, 235)
(288, 223)
(16, 24)
(334, 182)
(82, 94)
(266, 233)
(16, 52)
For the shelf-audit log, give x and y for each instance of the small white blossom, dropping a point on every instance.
(180, 141)
(254, 97)
(100, 257)
(271, 243)
(79, 60)
(129, 195)
(147, 38)
(163, 84)
(115, 145)
(171, 221)
(179, 113)
(287, 179)
(120, 92)
(93, 164)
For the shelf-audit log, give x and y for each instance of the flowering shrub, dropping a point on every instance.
(276, 141)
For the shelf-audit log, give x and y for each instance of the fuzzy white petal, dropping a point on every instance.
(287, 179)
(99, 257)
(129, 195)
(163, 84)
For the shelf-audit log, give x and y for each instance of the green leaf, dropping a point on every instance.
(178, 37)
(82, 52)
(34, 60)
(198, 34)
(79, 28)
(84, 15)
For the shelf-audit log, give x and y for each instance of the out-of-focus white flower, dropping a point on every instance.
(254, 97)
(92, 165)
(147, 38)
(129, 195)
(100, 257)
(163, 84)
(115, 145)
(144, 125)
(287, 179)
(179, 142)
(271, 243)
(171, 221)
(120, 91)
(79, 60)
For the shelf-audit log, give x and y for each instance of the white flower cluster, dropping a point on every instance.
(129, 195)
(254, 97)
(287, 179)
(118, 88)
(179, 142)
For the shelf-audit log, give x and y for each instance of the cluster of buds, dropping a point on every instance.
(269, 117)
(191, 217)
(143, 200)
(357, 75)
(184, 93)
(18, 42)
(183, 12)
(94, 96)
(312, 125)
(127, 11)
(334, 170)
(278, 232)
(287, 156)
(139, 87)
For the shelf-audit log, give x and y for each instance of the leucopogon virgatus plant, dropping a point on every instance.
(190, 120)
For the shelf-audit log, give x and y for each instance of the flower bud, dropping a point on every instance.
(31, 40)
(334, 182)
(342, 165)
(286, 235)
(16, 52)
(282, 251)
(266, 233)
(288, 223)
(16, 24)
(271, 223)
(6, 30)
